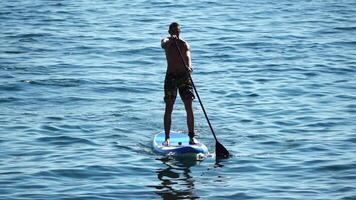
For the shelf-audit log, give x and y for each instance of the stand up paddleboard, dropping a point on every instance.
(179, 145)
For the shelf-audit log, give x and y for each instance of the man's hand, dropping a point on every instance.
(164, 40)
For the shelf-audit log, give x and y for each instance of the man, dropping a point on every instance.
(177, 78)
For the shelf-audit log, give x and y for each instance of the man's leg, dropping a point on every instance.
(168, 119)
(190, 118)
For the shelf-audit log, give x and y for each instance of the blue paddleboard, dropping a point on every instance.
(179, 145)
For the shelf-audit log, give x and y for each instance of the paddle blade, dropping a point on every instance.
(221, 151)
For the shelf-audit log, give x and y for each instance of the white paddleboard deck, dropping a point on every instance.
(179, 145)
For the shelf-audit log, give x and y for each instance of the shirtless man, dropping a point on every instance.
(177, 78)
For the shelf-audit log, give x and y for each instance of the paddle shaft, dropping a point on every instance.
(196, 91)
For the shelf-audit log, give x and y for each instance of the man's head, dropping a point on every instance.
(174, 29)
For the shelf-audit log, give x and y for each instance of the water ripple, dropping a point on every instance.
(64, 140)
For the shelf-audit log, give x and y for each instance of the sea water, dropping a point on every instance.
(81, 97)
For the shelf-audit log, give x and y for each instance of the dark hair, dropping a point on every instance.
(172, 26)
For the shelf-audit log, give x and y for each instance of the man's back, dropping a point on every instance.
(175, 64)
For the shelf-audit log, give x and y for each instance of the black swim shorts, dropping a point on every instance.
(173, 82)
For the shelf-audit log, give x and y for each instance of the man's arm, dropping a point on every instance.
(164, 42)
(189, 57)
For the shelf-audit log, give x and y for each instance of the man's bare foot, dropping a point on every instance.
(166, 142)
(193, 141)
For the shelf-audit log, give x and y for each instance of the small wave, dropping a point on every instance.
(310, 74)
(64, 140)
(4, 13)
(28, 40)
(233, 95)
(94, 171)
(345, 43)
(253, 95)
(344, 96)
(263, 80)
(238, 195)
(270, 142)
(50, 128)
(70, 173)
(351, 139)
(10, 87)
(53, 20)
(338, 167)
(351, 108)
(32, 35)
(351, 28)
(322, 124)
(256, 44)
(9, 100)
(14, 52)
(246, 120)
(55, 118)
(65, 82)
(6, 76)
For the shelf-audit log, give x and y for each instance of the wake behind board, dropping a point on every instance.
(179, 145)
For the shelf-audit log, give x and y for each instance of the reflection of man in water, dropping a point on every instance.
(176, 181)
(177, 78)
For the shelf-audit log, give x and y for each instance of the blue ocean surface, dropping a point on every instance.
(81, 97)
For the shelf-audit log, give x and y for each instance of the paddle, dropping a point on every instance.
(220, 150)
